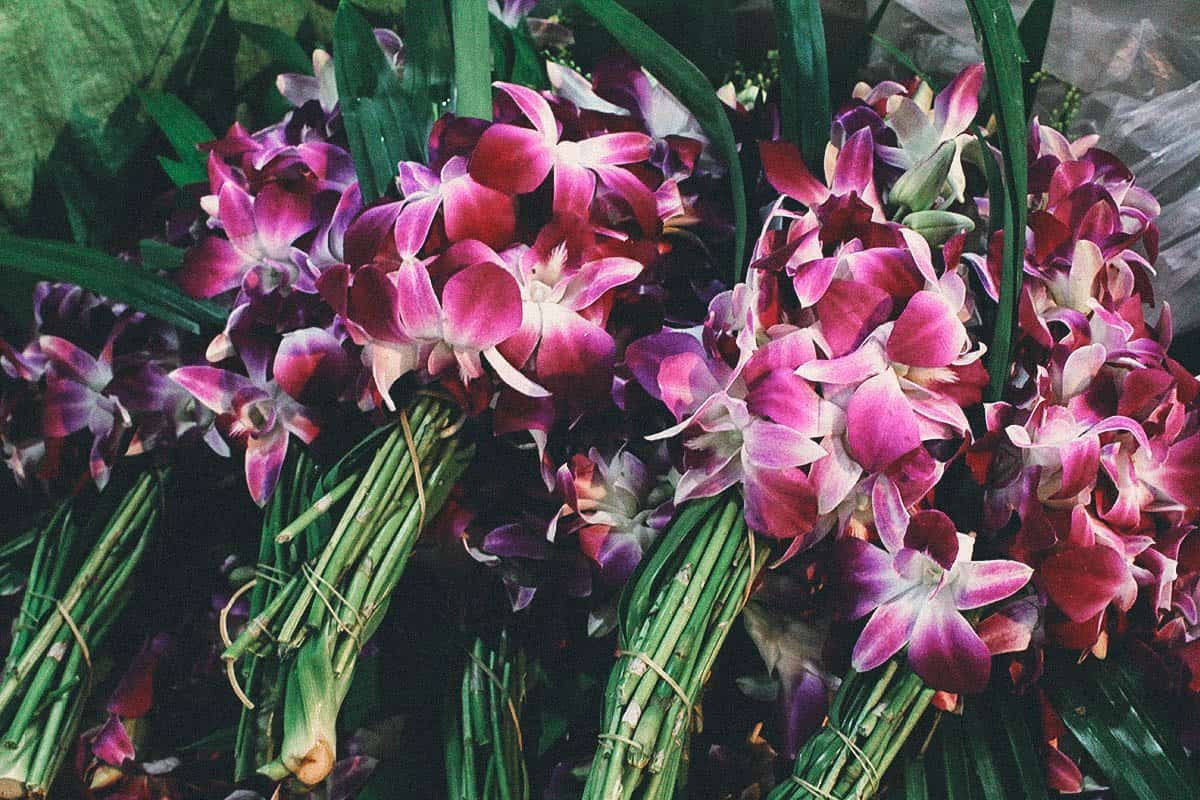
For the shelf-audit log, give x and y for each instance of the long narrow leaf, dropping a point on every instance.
(429, 57)
(688, 83)
(804, 73)
(184, 130)
(111, 277)
(1122, 731)
(472, 58)
(1002, 55)
(1035, 32)
(382, 126)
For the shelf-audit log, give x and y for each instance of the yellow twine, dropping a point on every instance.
(416, 462)
(223, 629)
(858, 754)
(83, 648)
(662, 673)
(815, 791)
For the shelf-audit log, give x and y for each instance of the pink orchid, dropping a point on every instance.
(470, 209)
(754, 424)
(404, 326)
(917, 588)
(516, 160)
(564, 310)
(848, 171)
(258, 411)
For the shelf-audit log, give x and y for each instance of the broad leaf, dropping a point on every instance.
(688, 83)
(284, 50)
(428, 59)
(381, 125)
(1002, 56)
(111, 277)
(804, 78)
(472, 58)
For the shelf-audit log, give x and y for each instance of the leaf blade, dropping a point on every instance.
(108, 276)
(1002, 55)
(804, 71)
(470, 31)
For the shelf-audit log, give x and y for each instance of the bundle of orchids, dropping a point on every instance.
(520, 345)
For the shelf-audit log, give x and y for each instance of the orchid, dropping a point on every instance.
(515, 160)
(915, 589)
(258, 411)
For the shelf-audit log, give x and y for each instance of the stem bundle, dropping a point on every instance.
(870, 719)
(315, 620)
(484, 748)
(79, 582)
(680, 607)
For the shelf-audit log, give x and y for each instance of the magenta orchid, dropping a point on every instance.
(515, 160)
(917, 588)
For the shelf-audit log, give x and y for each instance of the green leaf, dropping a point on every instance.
(285, 51)
(1002, 56)
(184, 130)
(1034, 31)
(903, 59)
(472, 58)
(382, 126)
(688, 83)
(108, 276)
(157, 256)
(1106, 708)
(528, 68)
(429, 57)
(804, 77)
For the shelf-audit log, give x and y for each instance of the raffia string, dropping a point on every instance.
(858, 754)
(223, 629)
(662, 673)
(416, 462)
(512, 708)
(815, 791)
(83, 647)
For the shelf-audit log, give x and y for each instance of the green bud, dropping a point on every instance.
(938, 226)
(918, 188)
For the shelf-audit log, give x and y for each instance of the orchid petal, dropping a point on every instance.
(891, 517)
(978, 583)
(785, 170)
(264, 461)
(483, 307)
(880, 425)
(213, 387)
(511, 160)
(886, 632)
(210, 268)
(927, 333)
(947, 652)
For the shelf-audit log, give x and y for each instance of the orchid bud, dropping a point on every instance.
(919, 187)
(936, 227)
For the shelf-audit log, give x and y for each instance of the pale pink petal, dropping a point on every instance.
(773, 446)
(1080, 463)
(420, 312)
(511, 376)
(483, 307)
(834, 477)
(213, 387)
(574, 187)
(414, 177)
(880, 424)
(281, 217)
(597, 277)
(891, 517)
(955, 106)
(978, 583)
(511, 160)
(264, 460)
(784, 397)
(574, 352)
(866, 578)
(237, 216)
(388, 363)
(413, 223)
(708, 482)
(927, 334)
(629, 147)
(887, 631)
(210, 268)
(947, 652)
(847, 370)
(1081, 368)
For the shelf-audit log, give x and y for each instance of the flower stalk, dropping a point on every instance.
(316, 618)
(680, 608)
(484, 747)
(79, 583)
(871, 717)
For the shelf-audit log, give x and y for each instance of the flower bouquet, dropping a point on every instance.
(870, 393)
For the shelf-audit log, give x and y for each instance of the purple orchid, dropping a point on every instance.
(917, 588)
(470, 209)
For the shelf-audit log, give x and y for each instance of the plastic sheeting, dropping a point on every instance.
(1138, 64)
